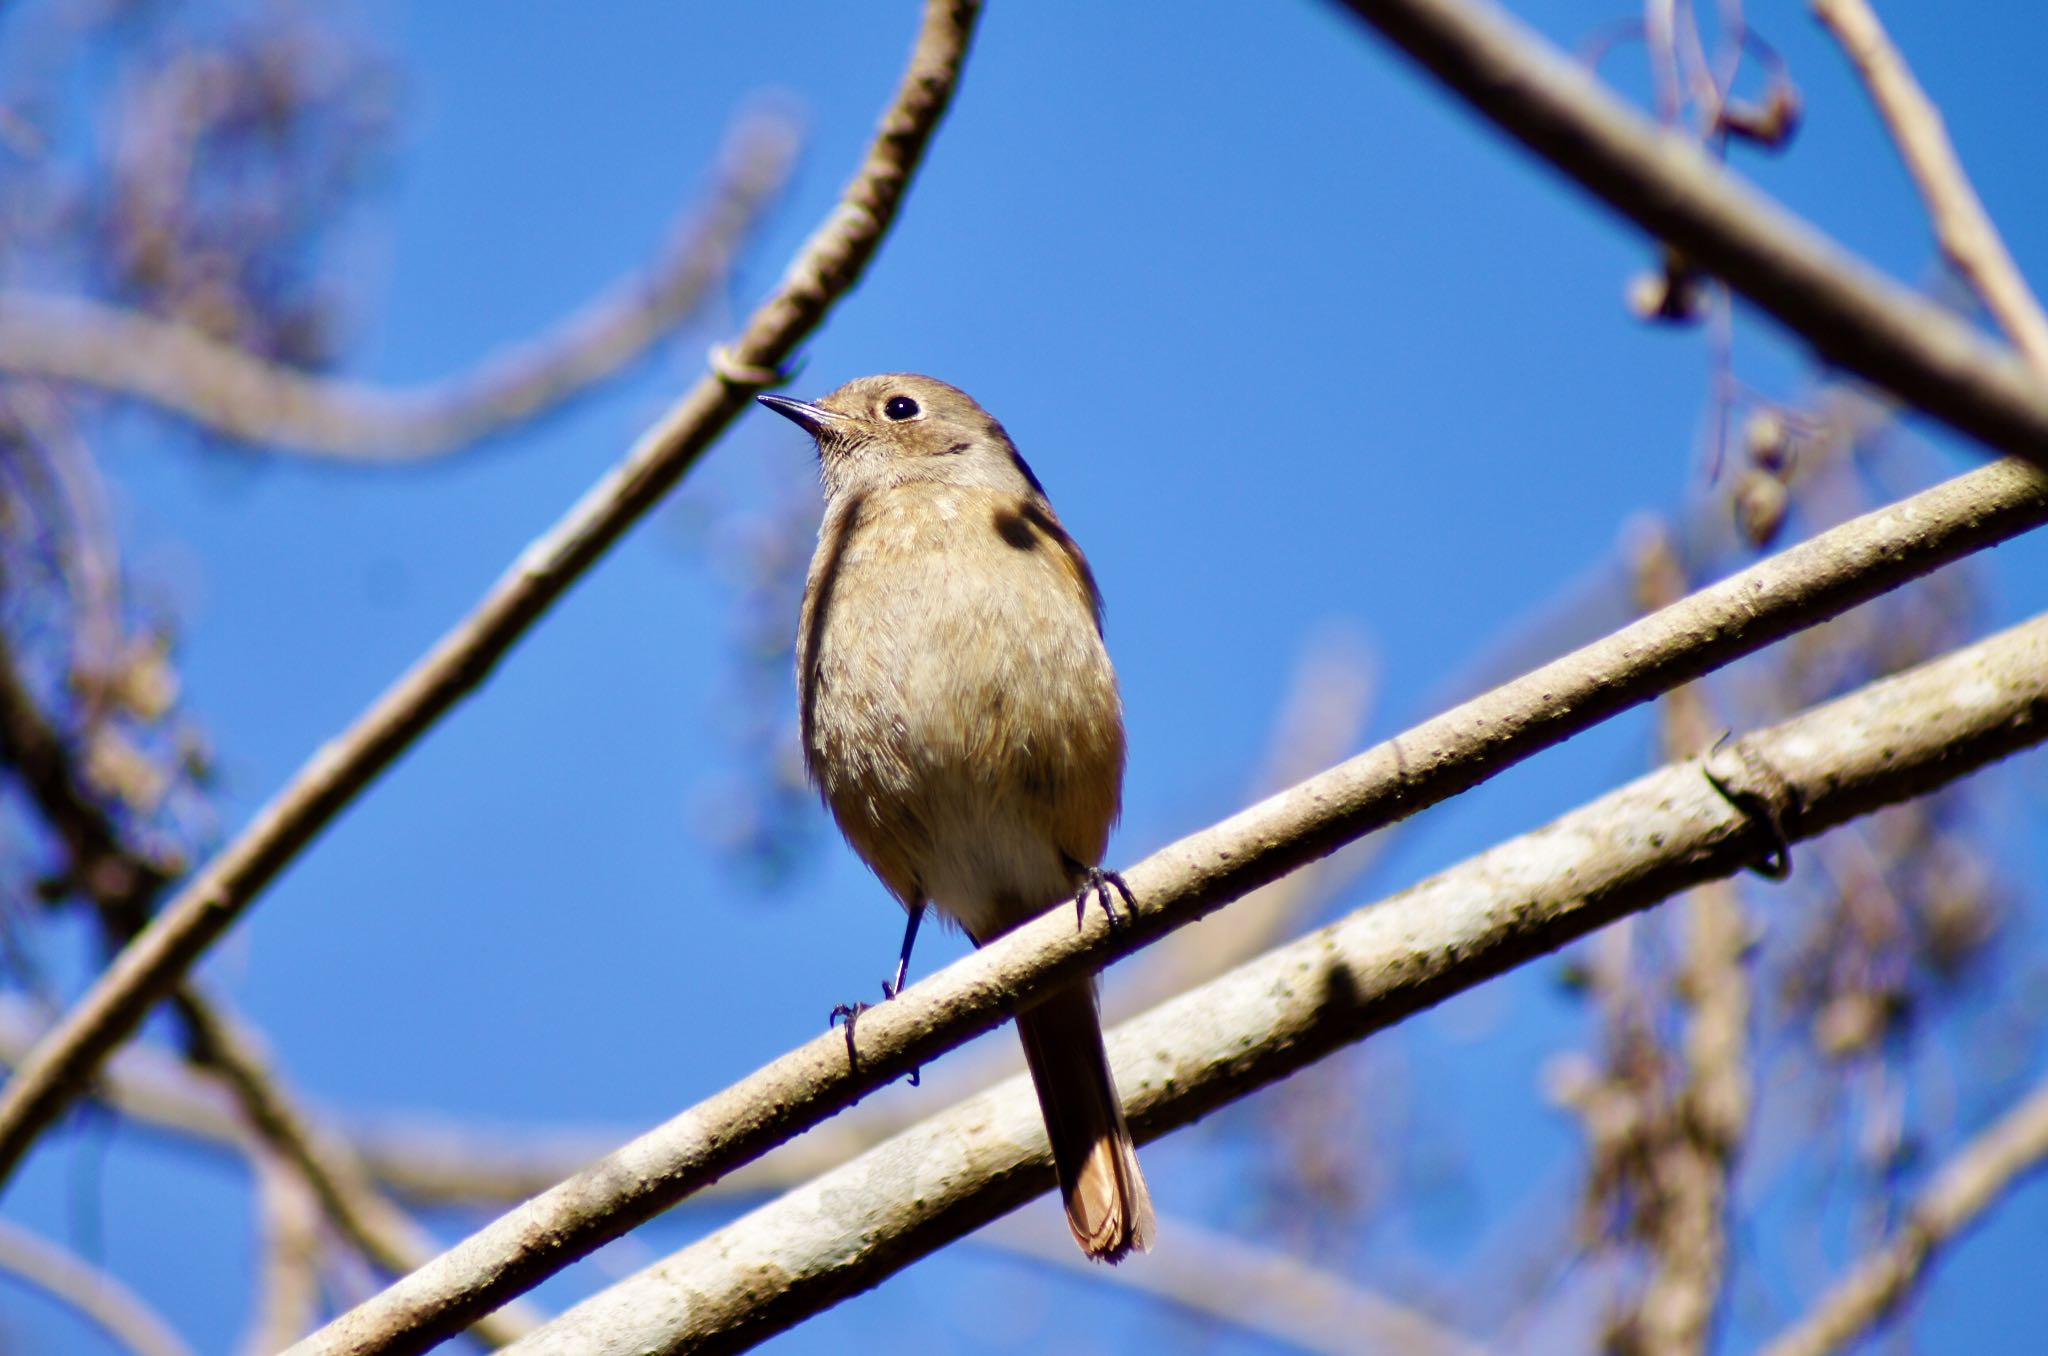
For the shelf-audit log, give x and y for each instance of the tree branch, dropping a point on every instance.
(423, 1160)
(828, 264)
(110, 1306)
(1850, 314)
(244, 397)
(1961, 224)
(1966, 1186)
(1262, 1292)
(1436, 760)
(122, 886)
(1667, 831)
(1965, 1189)
(332, 1172)
(287, 1283)
(1705, 1111)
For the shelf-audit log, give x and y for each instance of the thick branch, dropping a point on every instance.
(1668, 186)
(1189, 879)
(1660, 834)
(829, 263)
(244, 397)
(1966, 1186)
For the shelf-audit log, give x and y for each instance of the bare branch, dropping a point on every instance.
(121, 886)
(1699, 1124)
(145, 1082)
(104, 1301)
(1322, 719)
(244, 397)
(288, 1281)
(332, 1172)
(1189, 879)
(1662, 833)
(1965, 1187)
(1961, 224)
(1850, 314)
(828, 264)
(1260, 1291)
(426, 1160)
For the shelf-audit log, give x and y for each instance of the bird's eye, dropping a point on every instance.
(900, 407)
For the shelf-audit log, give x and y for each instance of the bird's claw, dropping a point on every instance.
(849, 1013)
(1103, 886)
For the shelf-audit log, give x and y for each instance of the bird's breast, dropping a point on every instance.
(954, 683)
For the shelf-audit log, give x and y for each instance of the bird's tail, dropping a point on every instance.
(1107, 1204)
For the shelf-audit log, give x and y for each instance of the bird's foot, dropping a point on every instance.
(1103, 886)
(849, 1013)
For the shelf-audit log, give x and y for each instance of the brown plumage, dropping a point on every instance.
(961, 718)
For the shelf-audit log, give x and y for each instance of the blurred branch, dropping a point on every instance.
(332, 1172)
(145, 1082)
(829, 263)
(97, 1296)
(427, 1161)
(1193, 877)
(1691, 1160)
(1262, 1292)
(1965, 1187)
(1322, 720)
(122, 886)
(288, 1280)
(1851, 315)
(1664, 832)
(1961, 224)
(245, 397)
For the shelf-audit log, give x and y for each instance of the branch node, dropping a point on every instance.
(733, 372)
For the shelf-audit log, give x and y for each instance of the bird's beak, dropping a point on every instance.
(811, 418)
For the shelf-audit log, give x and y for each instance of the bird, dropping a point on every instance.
(961, 719)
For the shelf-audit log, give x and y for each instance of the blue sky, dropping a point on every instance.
(1298, 349)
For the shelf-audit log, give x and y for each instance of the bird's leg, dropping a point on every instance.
(1096, 884)
(849, 1013)
(890, 990)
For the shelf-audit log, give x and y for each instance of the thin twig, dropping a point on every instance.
(122, 886)
(1664, 832)
(828, 264)
(1965, 230)
(1190, 879)
(421, 1159)
(157, 1088)
(105, 1302)
(329, 1167)
(244, 397)
(1853, 316)
(1322, 719)
(287, 1300)
(1976, 1178)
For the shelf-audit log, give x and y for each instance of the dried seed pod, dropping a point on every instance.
(1761, 501)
